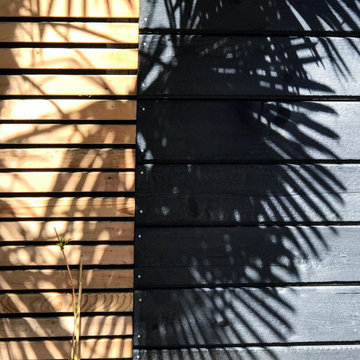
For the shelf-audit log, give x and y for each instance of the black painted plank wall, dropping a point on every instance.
(254, 16)
(248, 164)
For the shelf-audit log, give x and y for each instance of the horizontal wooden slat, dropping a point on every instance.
(219, 256)
(51, 255)
(67, 207)
(238, 194)
(75, 230)
(66, 134)
(246, 316)
(58, 58)
(74, 32)
(57, 302)
(246, 130)
(229, 16)
(59, 84)
(247, 66)
(66, 109)
(320, 352)
(67, 158)
(54, 349)
(37, 181)
(63, 325)
(59, 279)
(85, 8)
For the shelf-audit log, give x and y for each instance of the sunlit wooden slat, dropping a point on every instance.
(67, 158)
(37, 181)
(53, 349)
(59, 302)
(76, 230)
(60, 58)
(66, 134)
(59, 279)
(63, 325)
(51, 255)
(64, 207)
(74, 32)
(68, 84)
(79, 8)
(67, 109)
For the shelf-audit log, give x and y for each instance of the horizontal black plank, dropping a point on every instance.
(221, 16)
(246, 194)
(323, 352)
(220, 317)
(218, 256)
(235, 130)
(248, 66)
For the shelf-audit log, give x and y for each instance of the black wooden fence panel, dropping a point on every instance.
(228, 16)
(247, 131)
(220, 317)
(218, 256)
(247, 193)
(244, 66)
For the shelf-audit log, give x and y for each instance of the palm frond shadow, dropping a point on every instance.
(287, 194)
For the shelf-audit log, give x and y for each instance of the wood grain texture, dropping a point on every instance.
(51, 255)
(231, 16)
(81, 9)
(69, 32)
(67, 134)
(247, 66)
(63, 325)
(71, 158)
(37, 181)
(58, 302)
(59, 85)
(181, 130)
(240, 316)
(114, 348)
(60, 58)
(59, 279)
(67, 109)
(243, 194)
(76, 230)
(320, 352)
(223, 256)
(64, 207)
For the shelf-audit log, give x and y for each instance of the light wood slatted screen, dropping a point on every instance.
(68, 72)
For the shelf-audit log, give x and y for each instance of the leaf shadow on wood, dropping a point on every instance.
(269, 214)
(20, 233)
